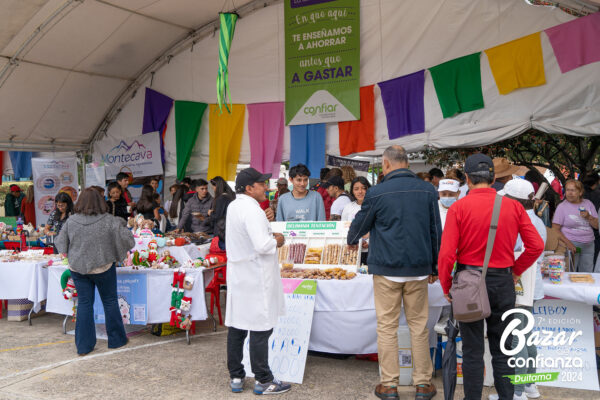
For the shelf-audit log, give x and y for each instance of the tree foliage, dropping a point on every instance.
(564, 155)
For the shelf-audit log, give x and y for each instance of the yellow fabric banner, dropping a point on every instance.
(225, 140)
(518, 64)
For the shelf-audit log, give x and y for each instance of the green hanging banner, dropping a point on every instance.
(188, 117)
(228, 21)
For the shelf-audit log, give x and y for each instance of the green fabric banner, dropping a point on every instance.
(188, 117)
(458, 85)
(322, 61)
(228, 21)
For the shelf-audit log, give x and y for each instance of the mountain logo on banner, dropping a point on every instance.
(123, 153)
(323, 105)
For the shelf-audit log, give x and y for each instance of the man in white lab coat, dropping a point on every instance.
(254, 290)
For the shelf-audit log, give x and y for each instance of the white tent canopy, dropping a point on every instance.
(86, 74)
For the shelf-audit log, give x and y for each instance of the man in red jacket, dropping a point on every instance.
(464, 240)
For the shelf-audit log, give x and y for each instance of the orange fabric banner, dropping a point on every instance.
(357, 136)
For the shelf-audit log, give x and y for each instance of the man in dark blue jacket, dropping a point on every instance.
(402, 216)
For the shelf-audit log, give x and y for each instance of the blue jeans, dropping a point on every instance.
(85, 330)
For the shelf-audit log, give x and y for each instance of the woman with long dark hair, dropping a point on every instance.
(177, 204)
(358, 191)
(217, 213)
(147, 205)
(94, 242)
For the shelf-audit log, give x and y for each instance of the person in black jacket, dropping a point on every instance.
(217, 213)
(117, 205)
(403, 219)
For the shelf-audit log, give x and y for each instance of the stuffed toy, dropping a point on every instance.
(152, 251)
(166, 258)
(67, 285)
(161, 241)
(176, 296)
(146, 228)
(178, 278)
(214, 259)
(180, 241)
(188, 282)
(186, 304)
(186, 323)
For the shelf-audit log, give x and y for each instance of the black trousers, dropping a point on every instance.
(259, 354)
(501, 292)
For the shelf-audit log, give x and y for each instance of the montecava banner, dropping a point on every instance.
(322, 61)
(137, 155)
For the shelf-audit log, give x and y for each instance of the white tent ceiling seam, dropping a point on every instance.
(147, 73)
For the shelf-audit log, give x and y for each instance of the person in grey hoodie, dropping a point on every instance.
(94, 241)
(194, 217)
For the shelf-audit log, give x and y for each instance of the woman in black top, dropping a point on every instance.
(146, 205)
(62, 210)
(117, 205)
(177, 205)
(217, 213)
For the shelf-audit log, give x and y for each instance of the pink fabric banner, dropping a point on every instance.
(265, 127)
(576, 43)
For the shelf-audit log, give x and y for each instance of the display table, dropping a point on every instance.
(587, 293)
(24, 280)
(159, 292)
(344, 319)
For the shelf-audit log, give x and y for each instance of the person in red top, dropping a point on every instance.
(28, 207)
(464, 240)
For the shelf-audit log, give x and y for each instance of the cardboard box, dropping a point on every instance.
(18, 309)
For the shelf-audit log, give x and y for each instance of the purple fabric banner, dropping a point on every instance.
(157, 108)
(265, 128)
(403, 100)
(576, 42)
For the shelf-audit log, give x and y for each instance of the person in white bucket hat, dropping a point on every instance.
(448, 190)
(523, 192)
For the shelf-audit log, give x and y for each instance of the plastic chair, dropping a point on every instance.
(214, 288)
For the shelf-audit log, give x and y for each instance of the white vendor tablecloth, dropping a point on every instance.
(344, 320)
(181, 253)
(587, 293)
(159, 293)
(24, 280)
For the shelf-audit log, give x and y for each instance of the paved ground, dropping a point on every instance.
(39, 362)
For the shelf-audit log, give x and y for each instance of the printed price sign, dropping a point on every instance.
(288, 345)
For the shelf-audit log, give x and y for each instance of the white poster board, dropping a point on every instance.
(95, 175)
(139, 155)
(575, 363)
(288, 345)
(51, 176)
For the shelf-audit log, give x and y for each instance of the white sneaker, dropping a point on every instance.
(531, 391)
(515, 397)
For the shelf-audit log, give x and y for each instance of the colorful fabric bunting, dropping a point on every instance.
(403, 100)
(228, 21)
(358, 136)
(577, 42)
(265, 128)
(307, 146)
(21, 163)
(157, 108)
(225, 132)
(188, 117)
(518, 64)
(458, 85)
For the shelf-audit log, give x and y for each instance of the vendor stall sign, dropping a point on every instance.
(563, 333)
(358, 165)
(312, 228)
(322, 61)
(288, 345)
(132, 298)
(51, 176)
(139, 155)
